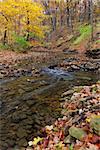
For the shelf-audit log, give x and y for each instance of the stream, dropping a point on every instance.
(29, 103)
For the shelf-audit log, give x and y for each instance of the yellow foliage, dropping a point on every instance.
(22, 16)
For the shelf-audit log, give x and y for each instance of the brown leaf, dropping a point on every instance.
(61, 135)
(95, 139)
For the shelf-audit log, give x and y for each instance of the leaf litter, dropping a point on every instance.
(79, 128)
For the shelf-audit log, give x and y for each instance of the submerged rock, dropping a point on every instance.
(21, 133)
(66, 51)
(22, 142)
(58, 73)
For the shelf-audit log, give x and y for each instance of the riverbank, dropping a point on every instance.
(79, 127)
(15, 64)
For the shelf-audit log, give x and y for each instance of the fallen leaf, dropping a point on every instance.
(37, 140)
(49, 127)
(92, 147)
(30, 143)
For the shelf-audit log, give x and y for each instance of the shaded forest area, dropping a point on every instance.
(25, 24)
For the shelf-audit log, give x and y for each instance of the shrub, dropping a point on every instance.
(85, 31)
(4, 47)
(20, 43)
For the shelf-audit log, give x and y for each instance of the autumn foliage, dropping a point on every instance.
(20, 18)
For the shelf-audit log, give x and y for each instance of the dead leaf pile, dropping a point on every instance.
(79, 128)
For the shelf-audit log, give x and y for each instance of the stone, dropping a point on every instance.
(21, 91)
(31, 102)
(22, 142)
(74, 67)
(64, 118)
(63, 99)
(23, 116)
(91, 66)
(3, 72)
(2, 66)
(1, 75)
(67, 139)
(0, 104)
(60, 42)
(99, 70)
(37, 121)
(75, 96)
(28, 121)
(67, 93)
(28, 127)
(21, 133)
(66, 51)
(10, 142)
(95, 124)
(77, 133)
(83, 99)
(15, 117)
(29, 113)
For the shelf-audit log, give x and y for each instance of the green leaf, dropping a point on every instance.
(71, 147)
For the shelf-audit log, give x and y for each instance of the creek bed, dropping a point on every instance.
(29, 103)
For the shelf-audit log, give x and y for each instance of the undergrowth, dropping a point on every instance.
(4, 47)
(20, 43)
(85, 31)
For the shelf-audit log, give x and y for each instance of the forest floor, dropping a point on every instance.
(79, 127)
(60, 41)
(7, 56)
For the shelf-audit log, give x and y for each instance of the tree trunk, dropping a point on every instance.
(91, 17)
(28, 22)
(53, 20)
(5, 31)
(5, 36)
(61, 19)
(68, 14)
(89, 11)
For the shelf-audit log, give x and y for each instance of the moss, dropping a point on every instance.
(98, 41)
(85, 31)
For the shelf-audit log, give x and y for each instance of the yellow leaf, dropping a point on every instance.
(88, 120)
(37, 140)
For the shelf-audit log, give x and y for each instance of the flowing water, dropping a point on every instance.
(29, 103)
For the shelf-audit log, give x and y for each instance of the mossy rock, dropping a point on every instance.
(77, 133)
(95, 124)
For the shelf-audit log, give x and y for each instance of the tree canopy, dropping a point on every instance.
(21, 17)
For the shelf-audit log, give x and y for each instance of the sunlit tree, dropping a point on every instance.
(21, 17)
